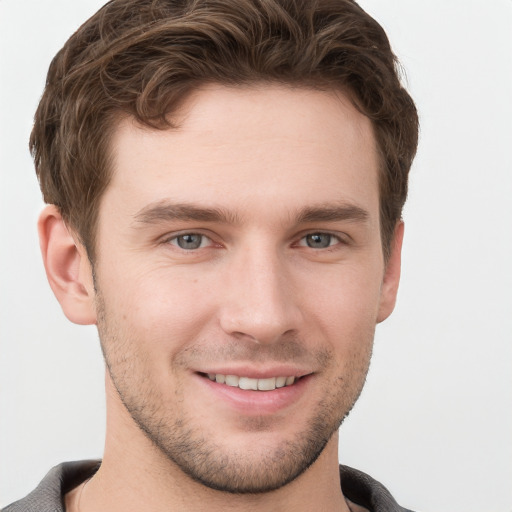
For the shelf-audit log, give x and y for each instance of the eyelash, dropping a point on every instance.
(302, 242)
(332, 237)
(175, 238)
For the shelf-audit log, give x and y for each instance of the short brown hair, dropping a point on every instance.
(142, 57)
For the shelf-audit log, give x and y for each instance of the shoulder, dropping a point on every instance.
(48, 495)
(365, 491)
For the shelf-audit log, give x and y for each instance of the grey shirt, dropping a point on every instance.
(363, 492)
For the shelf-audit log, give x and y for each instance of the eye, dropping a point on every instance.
(190, 241)
(319, 240)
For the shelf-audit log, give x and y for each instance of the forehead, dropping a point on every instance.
(251, 146)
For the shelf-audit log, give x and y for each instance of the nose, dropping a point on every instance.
(260, 300)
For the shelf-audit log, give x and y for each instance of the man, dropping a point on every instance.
(224, 182)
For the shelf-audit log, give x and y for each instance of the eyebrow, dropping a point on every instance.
(333, 213)
(165, 211)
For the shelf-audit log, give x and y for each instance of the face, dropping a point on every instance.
(239, 279)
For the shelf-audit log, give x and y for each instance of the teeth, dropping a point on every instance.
(246, 383)
(232, 380)
(280, 382)
(267, 384)
(255, 384)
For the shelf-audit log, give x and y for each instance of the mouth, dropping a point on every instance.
(256, 392)
(248, 383)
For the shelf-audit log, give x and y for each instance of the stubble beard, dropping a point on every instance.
(200, 457)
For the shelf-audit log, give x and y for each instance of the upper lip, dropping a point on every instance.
(257, 373)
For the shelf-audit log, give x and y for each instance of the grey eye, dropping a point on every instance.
(189, 241)
(319, 240)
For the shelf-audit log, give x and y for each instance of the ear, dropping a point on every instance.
(391, 279)
(67, 267)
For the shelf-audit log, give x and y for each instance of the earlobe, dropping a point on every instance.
(391, 279)
(67, 267)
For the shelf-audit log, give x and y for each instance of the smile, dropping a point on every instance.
(268, 384)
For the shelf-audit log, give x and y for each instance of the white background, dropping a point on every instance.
(435, 420)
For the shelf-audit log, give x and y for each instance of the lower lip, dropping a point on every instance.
(257, 403)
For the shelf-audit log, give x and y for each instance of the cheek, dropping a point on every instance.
(160, 311)
(347, 294)
(345, 310)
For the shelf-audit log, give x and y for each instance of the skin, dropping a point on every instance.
(280, 187)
